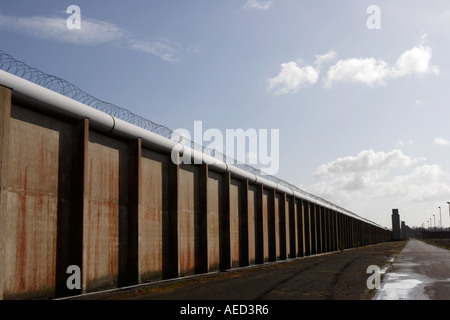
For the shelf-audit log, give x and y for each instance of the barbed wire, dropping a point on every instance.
(61, 86)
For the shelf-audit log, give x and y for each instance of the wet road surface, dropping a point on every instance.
(335, 276)
(420, 272)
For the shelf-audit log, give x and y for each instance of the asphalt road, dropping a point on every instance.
(334, 276)
(420, 272)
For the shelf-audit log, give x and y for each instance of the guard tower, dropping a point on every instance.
(396, 231)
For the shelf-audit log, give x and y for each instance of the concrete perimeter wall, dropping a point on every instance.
(126, 214)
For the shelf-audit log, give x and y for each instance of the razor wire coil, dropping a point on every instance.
(65, 88)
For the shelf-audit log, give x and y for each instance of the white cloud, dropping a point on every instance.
(370, 71)
(92, 32)
(194, 49)
(324, 58)
(405, 143)
(441, 141)
(161, 49)
(257, 5)
(366, 161)
(372, 183)
(293, 77)
(414, 61)
(422, 184)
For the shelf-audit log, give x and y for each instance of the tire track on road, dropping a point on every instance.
(290, 277)
(338, 276)
(333, 284)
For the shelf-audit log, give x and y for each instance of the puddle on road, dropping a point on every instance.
(407, 264)
(415, 275)
(401, 286)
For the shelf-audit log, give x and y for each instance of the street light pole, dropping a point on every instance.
(434, 218)
(448, 202)
(440, 217)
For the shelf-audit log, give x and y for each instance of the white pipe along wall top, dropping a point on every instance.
(52, 101)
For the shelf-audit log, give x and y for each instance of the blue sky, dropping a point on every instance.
(363, 113)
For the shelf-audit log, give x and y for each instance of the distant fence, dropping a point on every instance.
(436, 234)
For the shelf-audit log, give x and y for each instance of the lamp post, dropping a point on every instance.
(440, 216)
(448, 202)
(434, 219)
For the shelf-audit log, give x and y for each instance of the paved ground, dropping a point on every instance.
(420, 272)
(335, 276)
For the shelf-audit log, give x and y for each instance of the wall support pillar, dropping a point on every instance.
(293, 234)
(201, 234)
(272, 226)
(244, 226)
(5, 116)
(170, 239)
(224, 234)
(282, 224)
(70, 223)
(300, 228)
(259, 227)
(129, 276)
(307, 227)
